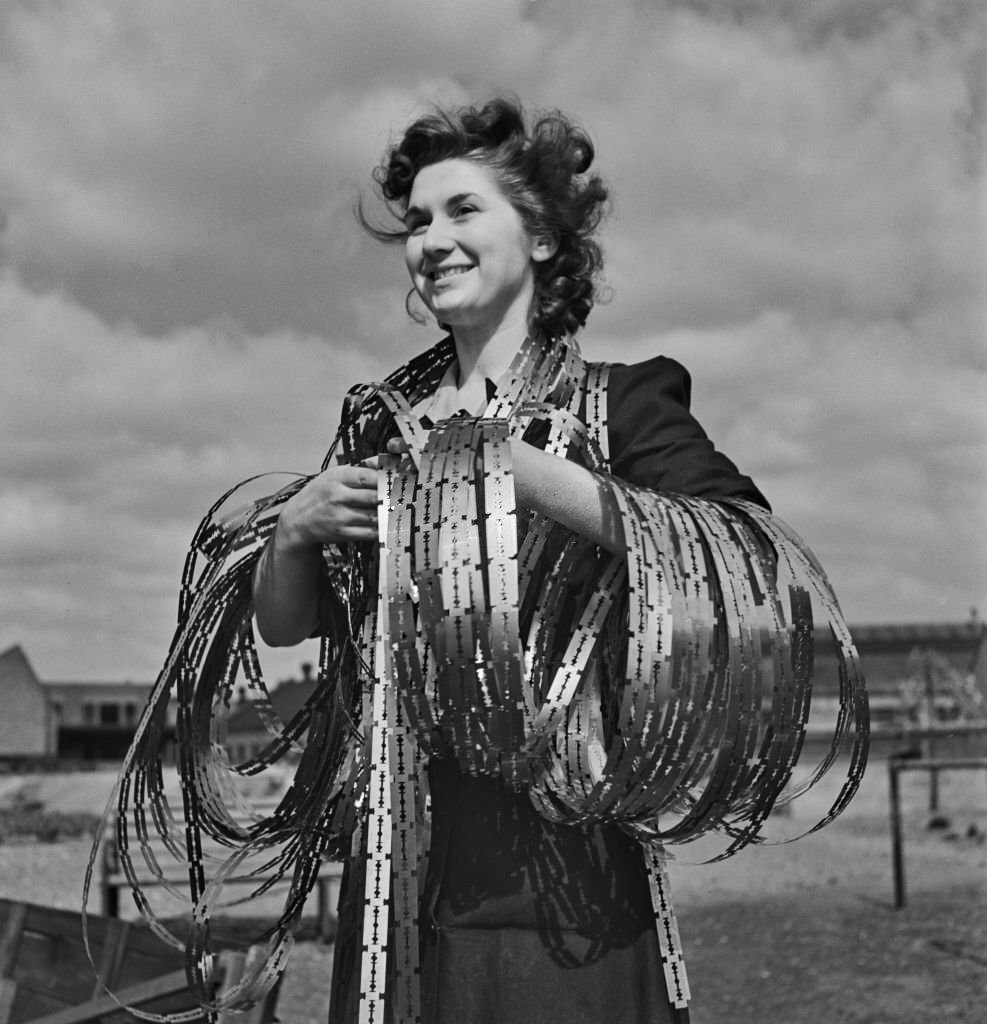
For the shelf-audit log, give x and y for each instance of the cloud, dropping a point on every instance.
(186, 294)
(868, 438)
(758, 173)
(172, 162)
(117, 445)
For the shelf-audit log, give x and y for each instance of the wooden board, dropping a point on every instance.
(46, 976)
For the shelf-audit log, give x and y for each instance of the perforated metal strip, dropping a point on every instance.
(668, 697)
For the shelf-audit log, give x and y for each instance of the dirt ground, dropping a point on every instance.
(804, 933)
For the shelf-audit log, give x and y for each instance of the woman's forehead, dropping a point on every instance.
(438, 182)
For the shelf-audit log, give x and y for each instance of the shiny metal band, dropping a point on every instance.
(665, 692)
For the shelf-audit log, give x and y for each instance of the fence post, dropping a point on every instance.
(897, 857)
(109, 865)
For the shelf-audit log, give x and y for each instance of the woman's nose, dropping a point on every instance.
(436, 239)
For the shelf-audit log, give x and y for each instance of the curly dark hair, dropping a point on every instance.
(542, 171)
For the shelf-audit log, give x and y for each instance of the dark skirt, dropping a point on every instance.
(523, 922)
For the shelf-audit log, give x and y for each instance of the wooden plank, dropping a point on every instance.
(52, 960)
(141, 964)
(232, 966)
(10, 939)
(8, 990)
(146, 992)
(172, 868)
(109, 962)
(231, 963)
(47, 965)
(52, 980)
(28, 1004)
(136, 995)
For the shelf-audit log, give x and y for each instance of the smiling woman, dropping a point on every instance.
(468, 252)
(559, 628)
(541, 172)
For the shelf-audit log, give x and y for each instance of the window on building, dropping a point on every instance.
(130, 713)
(109, 714)
(88, 713)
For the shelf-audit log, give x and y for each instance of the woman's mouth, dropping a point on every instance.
(442, 273)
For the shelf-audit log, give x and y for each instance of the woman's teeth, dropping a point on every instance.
(438, 275)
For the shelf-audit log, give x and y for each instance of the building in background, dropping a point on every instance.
(246, 735)
(916, 673)
(95, 721)
(26, 727)
(65, 722)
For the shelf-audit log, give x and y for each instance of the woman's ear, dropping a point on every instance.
(544, 247)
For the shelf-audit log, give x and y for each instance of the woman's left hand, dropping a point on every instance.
(525, 461)
(397, 449)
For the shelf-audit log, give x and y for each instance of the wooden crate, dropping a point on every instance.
(46, 977)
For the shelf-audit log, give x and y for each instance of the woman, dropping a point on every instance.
(524, 919)
(551, 610)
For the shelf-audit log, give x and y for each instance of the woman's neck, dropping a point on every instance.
(487, 355)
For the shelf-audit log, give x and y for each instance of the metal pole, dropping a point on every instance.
(930, 703)
(897, 858)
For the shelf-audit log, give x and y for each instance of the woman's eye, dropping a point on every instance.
(464, 209)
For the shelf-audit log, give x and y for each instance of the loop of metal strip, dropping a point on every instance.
(677, 706)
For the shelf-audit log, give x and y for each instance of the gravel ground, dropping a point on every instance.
(796, 934)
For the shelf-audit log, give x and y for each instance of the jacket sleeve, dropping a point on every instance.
(656, 442)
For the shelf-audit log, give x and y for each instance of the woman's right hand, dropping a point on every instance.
(338, 505)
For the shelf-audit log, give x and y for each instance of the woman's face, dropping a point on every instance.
(468, 253)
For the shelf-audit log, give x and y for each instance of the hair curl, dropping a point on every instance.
(542, 171)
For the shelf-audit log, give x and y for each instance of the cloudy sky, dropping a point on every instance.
(185, 294)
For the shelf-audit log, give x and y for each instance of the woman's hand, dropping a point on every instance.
(338, 505)
(335, 507)
(397, 448)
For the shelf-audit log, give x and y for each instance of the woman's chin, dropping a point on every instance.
(451, 315)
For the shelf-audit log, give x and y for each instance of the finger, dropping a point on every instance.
(397, 446)
(363, 525)
(362, 498)
(361, 478)
(396, 461)
(352, 533)
(362, 520)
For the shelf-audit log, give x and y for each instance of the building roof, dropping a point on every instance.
(887, 653)
(921, 634)
(13, 659)
(287, 699)
(14, 655)
(891, 653)
(83, 683)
